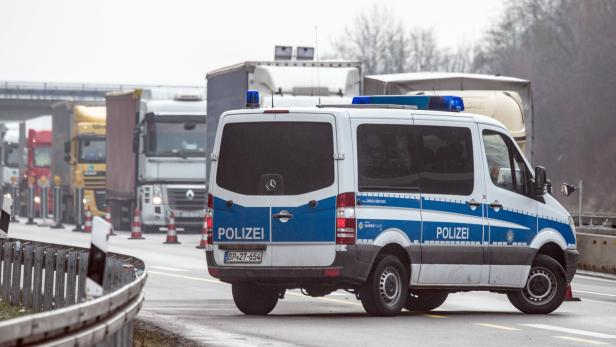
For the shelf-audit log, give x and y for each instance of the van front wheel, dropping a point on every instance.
(545, 287)
(252, 299)
(384, 294)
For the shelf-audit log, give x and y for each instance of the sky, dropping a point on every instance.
(178, 42)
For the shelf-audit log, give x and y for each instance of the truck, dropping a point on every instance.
(9, 154)
(79, 155)
(281, 83)
(165, 170)
(506, 99)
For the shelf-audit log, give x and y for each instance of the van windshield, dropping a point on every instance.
(281, 158)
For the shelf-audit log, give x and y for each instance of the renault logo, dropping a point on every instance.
(190, 194)
(271, 184)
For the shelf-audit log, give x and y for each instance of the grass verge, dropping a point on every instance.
(149, 335)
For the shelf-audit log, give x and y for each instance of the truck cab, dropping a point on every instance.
(170, 137)
(9, 155)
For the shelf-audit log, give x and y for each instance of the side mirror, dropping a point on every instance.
(540, 180)
(67, 148)
(567, 189)
(67, 158)
(136, 142)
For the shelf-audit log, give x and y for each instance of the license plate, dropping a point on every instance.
(243, 257)
(189, 214)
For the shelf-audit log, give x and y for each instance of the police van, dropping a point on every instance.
(400, 200)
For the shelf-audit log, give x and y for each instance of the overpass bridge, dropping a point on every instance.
(20, 101)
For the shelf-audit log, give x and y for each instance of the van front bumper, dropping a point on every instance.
(344, 269)
(571, 258)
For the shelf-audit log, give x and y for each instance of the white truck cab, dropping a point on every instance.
(398, 199)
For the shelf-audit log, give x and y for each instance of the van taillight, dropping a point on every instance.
(209, 221)
(345, 219)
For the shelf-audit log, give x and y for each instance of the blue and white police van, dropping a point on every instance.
(400, 200)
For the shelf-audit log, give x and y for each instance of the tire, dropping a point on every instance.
(252, 299)
(384, 293)
(545, 287)
(425, 300)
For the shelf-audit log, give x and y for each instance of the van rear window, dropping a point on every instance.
(276, 158)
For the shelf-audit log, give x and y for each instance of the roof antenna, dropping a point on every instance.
(316, 44)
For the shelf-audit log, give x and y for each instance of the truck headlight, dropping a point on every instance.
(37, 199)
(157, 200)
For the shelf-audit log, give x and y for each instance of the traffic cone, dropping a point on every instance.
(135, 233)
(172, 235)
(87, 225)
(108, 220)
(569, 294)
(203, 242)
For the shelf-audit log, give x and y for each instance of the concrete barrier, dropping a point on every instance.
(597, 252)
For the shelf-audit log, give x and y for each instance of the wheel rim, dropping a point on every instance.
(389, 286)
(540, 287)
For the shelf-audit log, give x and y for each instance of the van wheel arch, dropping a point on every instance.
(553, 250)
(397, 251)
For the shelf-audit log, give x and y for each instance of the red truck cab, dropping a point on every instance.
(39, 160)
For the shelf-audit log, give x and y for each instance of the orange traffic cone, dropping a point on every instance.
(172, 235)
(135, 233)
(87, 225)
(569, 294)
(108, 220)
(203, 242)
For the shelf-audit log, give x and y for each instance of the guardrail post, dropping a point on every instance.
(6, 270)
(78, 203)
(30, 203)
(44, 202)
(71, 280)
(57, 207)
(16, 282)
(60, 272)
(37, 280)
(48, 289)
(27, 286)
(82, 272)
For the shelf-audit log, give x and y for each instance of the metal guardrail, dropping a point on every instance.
(596, 219)
(50, 279)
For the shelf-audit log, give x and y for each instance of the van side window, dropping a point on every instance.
(501, 156)
(385, 158)
(446, 158)
(427, 159)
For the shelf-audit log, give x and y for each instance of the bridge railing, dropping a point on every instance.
(49, 279)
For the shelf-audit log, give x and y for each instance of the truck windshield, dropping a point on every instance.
(183, 139)
(92, 150)
(11, 156)
(42, 156)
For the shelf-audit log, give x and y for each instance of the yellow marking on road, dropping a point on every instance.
(437, 316)
(577, 339)
(501, 327)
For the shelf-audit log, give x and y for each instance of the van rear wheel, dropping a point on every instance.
(252, 299)
(425, 300)
(545, 287)
(384, 294)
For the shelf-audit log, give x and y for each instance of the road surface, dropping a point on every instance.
(181, 297)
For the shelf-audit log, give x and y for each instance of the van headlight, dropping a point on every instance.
(157, 200)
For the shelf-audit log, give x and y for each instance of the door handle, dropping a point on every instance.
(282, 215)
(473, 203)
(496, 205)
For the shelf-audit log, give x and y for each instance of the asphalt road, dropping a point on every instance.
(183, 298)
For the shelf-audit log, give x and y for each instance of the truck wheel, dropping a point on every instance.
(384, 294)
(545, 287)
(425, 300)
(252, 299)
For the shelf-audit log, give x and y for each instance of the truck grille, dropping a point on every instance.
(179, 199)
(94, 182)
(100, 198)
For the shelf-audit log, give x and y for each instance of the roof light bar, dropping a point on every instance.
(423, 102)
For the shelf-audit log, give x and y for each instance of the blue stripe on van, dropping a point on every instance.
(309, 224)
(240, 224)
(388, 201)
(369, 229)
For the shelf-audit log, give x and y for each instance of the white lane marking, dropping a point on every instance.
(168, 268)
(576, 339)
(594, 293)
(501, 327)
(595, 278)
(570, 331)
(186, 277)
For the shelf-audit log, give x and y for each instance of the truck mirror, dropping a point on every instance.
(540, 180)
(67, 158)
(67, 148)
(136, 143)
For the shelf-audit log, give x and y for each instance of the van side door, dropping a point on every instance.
(452, 190)
(511, 210)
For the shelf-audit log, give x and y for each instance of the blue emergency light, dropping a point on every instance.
(252, 99)
(423, 102)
